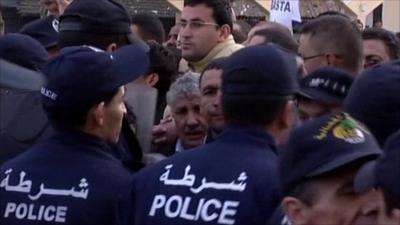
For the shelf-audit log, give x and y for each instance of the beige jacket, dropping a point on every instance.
(223, 49)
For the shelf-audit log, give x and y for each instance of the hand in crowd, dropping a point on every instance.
(165, 132)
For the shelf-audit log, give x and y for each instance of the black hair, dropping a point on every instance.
(150, 27)
(338, 35)
(240, 34)
(305, 191)
(278, 36)
(333, 13)
(74, 117)
(163, 62)
(222, 11)
(216, 64)
(102, 41)
(392, 44)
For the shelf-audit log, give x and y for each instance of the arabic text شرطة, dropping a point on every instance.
(24, 186)
(188, 180)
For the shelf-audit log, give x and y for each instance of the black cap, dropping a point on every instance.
(383, 173)
(80, 76)
(260, 70)
(24, 51)
(98, 17)
(327, 85)
(374, 99)
(44, 30)
(322, 146)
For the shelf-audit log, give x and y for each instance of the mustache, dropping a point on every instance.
(193, 130)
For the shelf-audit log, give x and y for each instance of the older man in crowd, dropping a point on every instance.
(184, 99)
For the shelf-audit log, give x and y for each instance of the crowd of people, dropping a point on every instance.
(106, 118)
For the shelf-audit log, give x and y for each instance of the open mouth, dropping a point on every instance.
(194, 135)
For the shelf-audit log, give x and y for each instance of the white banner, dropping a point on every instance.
(285, 11)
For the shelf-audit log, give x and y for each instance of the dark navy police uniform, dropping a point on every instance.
(74, 178)
(234, 179)
(230, 181)
(70, 179)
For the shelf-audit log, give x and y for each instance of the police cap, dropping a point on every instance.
(81, 76)
(261, 70)
(323, 145)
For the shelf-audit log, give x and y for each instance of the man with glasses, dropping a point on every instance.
(205, 32)
(331, 40)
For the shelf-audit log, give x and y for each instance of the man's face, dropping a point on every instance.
(374, 206)
(199, 32)
(337, 202)
(374, 52)
(313, 59)
(211, 82)
(113, 113)
(173, 37)
(309, 109)
(190, 124)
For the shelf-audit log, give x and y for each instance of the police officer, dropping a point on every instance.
(322, 92)
(44, 30)
(73, 178)
(104, 24)
(232, 180)
(317, 170)
(20, 107)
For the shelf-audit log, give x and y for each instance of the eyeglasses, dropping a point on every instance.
(193, 25)
(311, 57)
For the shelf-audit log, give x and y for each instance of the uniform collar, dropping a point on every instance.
(76, 137)
(253, 134)
(200, 65)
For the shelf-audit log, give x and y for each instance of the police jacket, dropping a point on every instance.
(69, 179)
(233, 180)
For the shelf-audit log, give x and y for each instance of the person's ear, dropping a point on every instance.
(224, 32)
(111, 47)
(97, 114)
(332, 60)
(152, 79)
(295, 210)
(287, 115)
